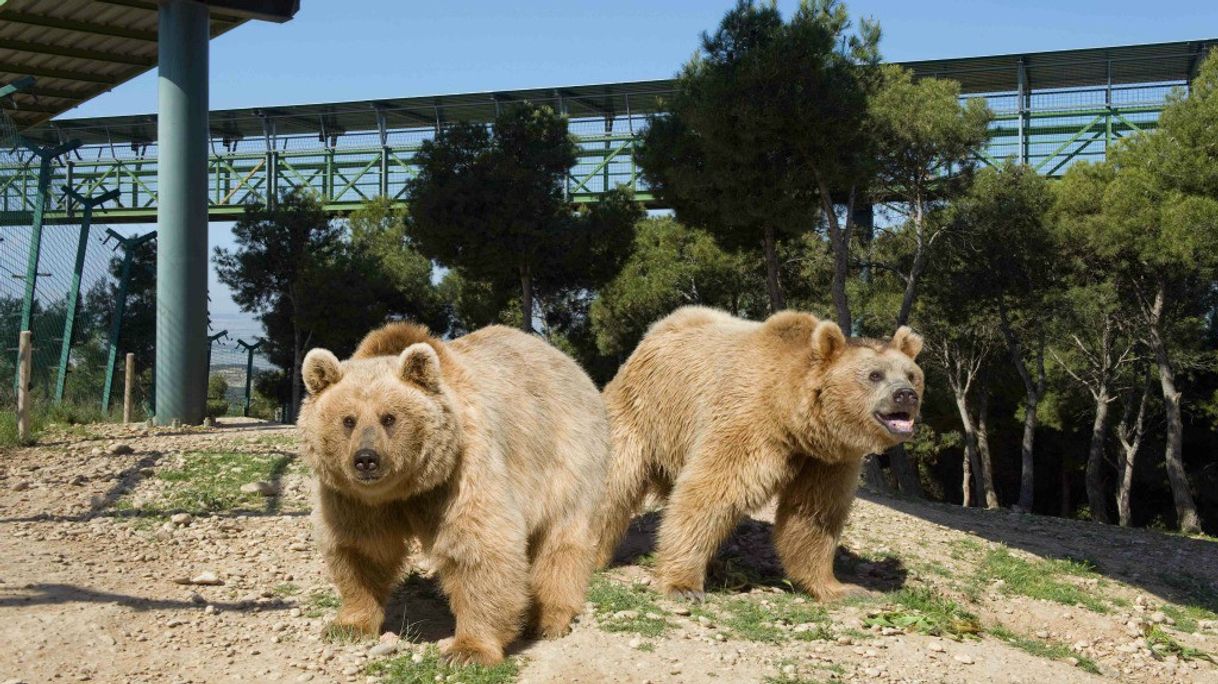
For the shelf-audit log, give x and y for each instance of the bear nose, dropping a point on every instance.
(905, 397)
(367, 461)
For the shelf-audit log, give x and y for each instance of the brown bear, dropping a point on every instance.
(722, 414)
(490, 450)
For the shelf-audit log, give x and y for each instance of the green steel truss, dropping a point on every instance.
(1049, 112)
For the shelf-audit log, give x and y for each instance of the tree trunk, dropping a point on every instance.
(1186, 510)
(918, 266)
(966, 476)
(1033, 389)
(1130, 438)
(983, 444)
(1096, 498)
(905, 472)
(970, 447)
(839, 242)
(526, 299)
(873, 476)
(773, 285)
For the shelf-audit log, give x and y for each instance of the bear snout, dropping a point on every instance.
(367, 464)
(905, 397)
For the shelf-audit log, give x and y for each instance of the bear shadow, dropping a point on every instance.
(749, 560)
(418, 611)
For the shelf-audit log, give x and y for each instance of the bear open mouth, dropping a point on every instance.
(898, 423)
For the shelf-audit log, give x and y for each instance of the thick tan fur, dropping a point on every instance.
(495, 462)
(727, 413)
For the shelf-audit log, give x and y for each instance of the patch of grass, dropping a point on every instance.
(1039, 579)
(1162, 644)
(210, 481)
(432, 668)
(1186, 617)
(318, 603)
(1043, 649)
(626, 608)
(772, 618)
(8, 429)
(964, 548)
(341, 634)
(286, 589)
(647, 647)
(924, 611)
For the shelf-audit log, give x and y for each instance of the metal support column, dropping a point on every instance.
(249, 371)
(120, 305)
(82, 243)
(45, 155)
(1025, 106)
(182, 137)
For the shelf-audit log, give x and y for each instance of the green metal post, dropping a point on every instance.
(82, 243)
(249, 371)
(210, 340)
(182, 183)
(45, 156)
(120, 305)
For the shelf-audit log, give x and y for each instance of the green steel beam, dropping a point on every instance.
(210, 340)
(79, 53)
(20, 85)
(82, 243)
(249, 370)
(45, 155)
(116, 324)
(32, 19)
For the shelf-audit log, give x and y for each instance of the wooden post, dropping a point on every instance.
(129, 388)
(25, 365)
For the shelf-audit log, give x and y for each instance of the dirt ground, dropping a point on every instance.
(103, 529)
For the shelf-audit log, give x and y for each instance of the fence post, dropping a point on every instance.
(129, 387)
(82, 243)
(25, 367)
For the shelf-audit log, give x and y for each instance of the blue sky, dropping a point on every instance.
(363, 49)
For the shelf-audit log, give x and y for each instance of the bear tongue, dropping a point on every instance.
(900, 424)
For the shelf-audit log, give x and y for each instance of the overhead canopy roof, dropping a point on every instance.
(77, 49)
(1155, 63)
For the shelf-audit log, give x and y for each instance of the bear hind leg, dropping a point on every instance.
(625, 487)
(564, 561)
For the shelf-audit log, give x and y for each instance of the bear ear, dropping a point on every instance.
(420, 364)
(907, 342)
(320, 370)
(828, 340)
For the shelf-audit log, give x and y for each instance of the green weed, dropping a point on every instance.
(1161, 644)
(1039, 579)
(622, 608)
(924, 611)
(432, 668)
(1043, 649)
(771, 620)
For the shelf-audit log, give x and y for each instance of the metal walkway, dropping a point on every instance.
(1051, 108)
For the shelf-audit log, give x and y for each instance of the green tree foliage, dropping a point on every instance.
(489, 203)
(1150, 213)
(769, 119)
(926, 141)
(1005, 266)
(672, 266)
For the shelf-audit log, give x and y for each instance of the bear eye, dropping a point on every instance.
(875, 376)
(388, 419)
(349, 422)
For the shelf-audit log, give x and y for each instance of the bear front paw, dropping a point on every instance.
(356, 623)
(554, 625)
(463, 651)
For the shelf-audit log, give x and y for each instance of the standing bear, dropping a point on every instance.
(490, 450)
(725, 413)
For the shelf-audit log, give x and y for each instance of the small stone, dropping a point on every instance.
(121, 450)
(382, 649)
(626, 615)
(845, 640)
(295, 612)
(1072, 660)
(681, 610)
(196, 597)
(1158, 617)
(416, 658)
(937, 647)
(1042, 634)
(181, 519)
(964, 658)
(209, 610)
(78, 481)
(21, 486)
(674, 670)
(298, 546)
(206, 578)
(635, 642)
(872, 672)
(261, 487)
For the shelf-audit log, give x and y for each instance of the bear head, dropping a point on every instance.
(864, 393)
(380, 428)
